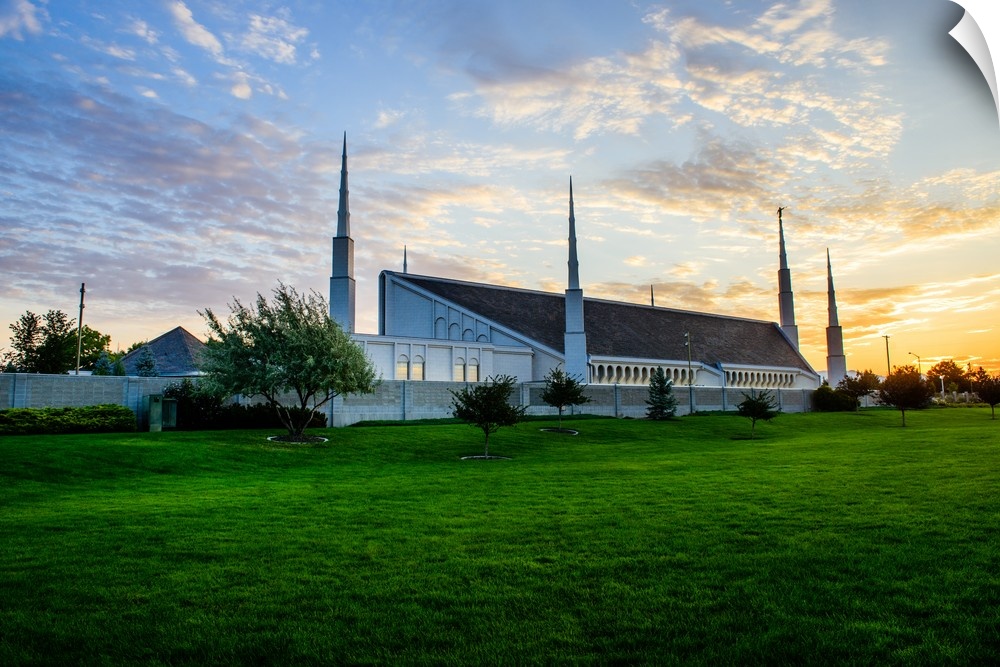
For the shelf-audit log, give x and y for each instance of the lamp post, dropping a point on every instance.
(918, 362)
(687, 344)
(888, 366)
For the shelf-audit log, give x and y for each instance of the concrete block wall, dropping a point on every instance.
(392, 399)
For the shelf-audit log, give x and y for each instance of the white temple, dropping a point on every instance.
(439, 329)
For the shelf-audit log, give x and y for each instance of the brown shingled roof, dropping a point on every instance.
(176, 353)
(617, 329)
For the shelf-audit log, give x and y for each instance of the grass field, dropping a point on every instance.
(832, 538)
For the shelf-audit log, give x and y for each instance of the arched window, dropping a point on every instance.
(417, 368)
(454, 332)
(440, 328)
(403, 367)
(458, 372)
(473, 370)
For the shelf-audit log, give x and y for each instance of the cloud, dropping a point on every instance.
(273, 38)
(20, 16)
(192, 31)
(241, 86)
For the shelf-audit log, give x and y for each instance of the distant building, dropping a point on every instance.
(176, 354)
(433, 328)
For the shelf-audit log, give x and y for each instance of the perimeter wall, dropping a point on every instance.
(392, 400)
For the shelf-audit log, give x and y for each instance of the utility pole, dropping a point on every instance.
(919, 371)
(687, 344)
(79, 328)
(888, 367)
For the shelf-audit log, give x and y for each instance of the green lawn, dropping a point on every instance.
(832, 538)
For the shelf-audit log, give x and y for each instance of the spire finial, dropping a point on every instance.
(404, 259)
(344, 210)
(574, 263)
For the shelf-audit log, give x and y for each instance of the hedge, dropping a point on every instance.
(88, 419)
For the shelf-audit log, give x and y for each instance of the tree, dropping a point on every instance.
(662, 402)
(759, 407)
(47, 343)
(103, 364)
(988, 390)
(858, 386)
(486, 405)
(286, 349)
(145, 366)
(562, 390)
(975, 378)
(906, 390)
(951, 372)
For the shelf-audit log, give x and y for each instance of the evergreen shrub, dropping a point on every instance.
(828, 399)
(87, 419)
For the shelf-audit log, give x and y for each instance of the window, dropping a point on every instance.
(417, 368)
(473, 370)
(458, 374)
(402, 368)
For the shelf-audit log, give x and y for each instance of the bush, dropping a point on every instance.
(827, 399)
(199, 410)
(88, 419)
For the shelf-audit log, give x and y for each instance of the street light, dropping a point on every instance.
(918, 362)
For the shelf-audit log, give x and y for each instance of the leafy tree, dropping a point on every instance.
(286, 349)
(47, 343)
(858, 386)
(950, 371)
(906, 390)
(759, 407)
(662, 402)
(118, 368)
(562, 390)
(103, 364)
(988, 390)
(145, 366)
(486, 405)
(976, 377)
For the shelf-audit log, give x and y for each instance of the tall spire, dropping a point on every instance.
(786, 302)
(574, 339)
(404, 259)
(836, 362)
(344, 210)
(342, 285)
(574, 262)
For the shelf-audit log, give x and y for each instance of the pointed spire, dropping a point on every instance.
(574, 263)
(404, 259)
(831, 293)
(652, 299)
(786, 301)
(344, 210)
(836, 362)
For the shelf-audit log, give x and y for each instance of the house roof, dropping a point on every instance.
(618, 329)
(176, 353)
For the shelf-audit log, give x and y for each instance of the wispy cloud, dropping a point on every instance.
(192, 31)
(18, 17)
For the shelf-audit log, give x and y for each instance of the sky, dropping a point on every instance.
(175, 155)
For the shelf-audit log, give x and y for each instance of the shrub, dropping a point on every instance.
(200, 410)
(827, 399)
(88, 419)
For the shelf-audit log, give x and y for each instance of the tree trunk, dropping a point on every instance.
(487, 450)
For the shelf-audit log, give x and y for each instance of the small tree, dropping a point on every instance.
(759, 407)
(286, 348)
(662, 402)
(562, 390)
(858, 386)
(103, 364)
(988, 390)
(145, 366)
(487, 406)
(906, 390)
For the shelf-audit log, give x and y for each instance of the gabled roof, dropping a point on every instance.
(617, 329)
(176, 353)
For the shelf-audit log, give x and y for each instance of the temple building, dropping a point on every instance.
(439, 329)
